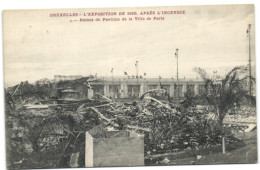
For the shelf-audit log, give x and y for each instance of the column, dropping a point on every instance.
(90, 93)
(123, 90)
(172, 90)
(184, 89)
(106, 90)
(196, 89)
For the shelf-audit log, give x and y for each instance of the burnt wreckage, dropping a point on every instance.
(170, 130)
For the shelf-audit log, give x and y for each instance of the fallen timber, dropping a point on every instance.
(158, 120)
(138, 128)
(153, 117)
(238, 123)
(103, 97)
(101, 115)
(115, 124)
(157, 101)
(157, 91)
(16, 89)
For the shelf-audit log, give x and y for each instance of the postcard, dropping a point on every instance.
(135, 86)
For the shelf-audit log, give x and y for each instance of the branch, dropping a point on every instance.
(202, 73)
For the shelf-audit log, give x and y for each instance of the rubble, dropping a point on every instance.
(74, 160)
(250, 127)
(103, 97)
(153, 91)
(166, 129)
(31, 106)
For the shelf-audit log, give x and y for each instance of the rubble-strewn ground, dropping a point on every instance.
(44, 134)
(246, 154)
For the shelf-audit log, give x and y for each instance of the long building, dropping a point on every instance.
(125, 87)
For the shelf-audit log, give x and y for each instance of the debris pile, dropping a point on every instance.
(166, 129)
(240, 118)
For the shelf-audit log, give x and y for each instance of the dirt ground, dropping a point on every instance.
(242, 155)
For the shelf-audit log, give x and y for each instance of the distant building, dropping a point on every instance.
(122, 87)
(70, 94)
(133, 88)
(63, 78)
(43, 81)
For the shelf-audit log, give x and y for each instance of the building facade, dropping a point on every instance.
(133, 88)
(126, 87)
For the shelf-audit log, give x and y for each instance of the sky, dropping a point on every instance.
(37, 46)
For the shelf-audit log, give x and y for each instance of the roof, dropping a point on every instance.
(69, 91)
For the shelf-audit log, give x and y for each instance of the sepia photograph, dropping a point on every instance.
(130, 86)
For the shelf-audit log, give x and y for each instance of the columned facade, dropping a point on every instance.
(131, 88)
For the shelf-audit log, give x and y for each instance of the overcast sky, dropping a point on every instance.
(37, 46)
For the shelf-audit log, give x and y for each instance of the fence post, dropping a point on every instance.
(223, 145)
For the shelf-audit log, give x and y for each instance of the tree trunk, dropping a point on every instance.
(221, 116)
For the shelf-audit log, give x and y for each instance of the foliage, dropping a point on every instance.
(224, 94)
(45, 138)
(173, 130)
(189, 99)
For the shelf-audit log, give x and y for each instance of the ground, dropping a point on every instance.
(246, 154)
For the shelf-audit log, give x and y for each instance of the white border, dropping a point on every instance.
(46, 4)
